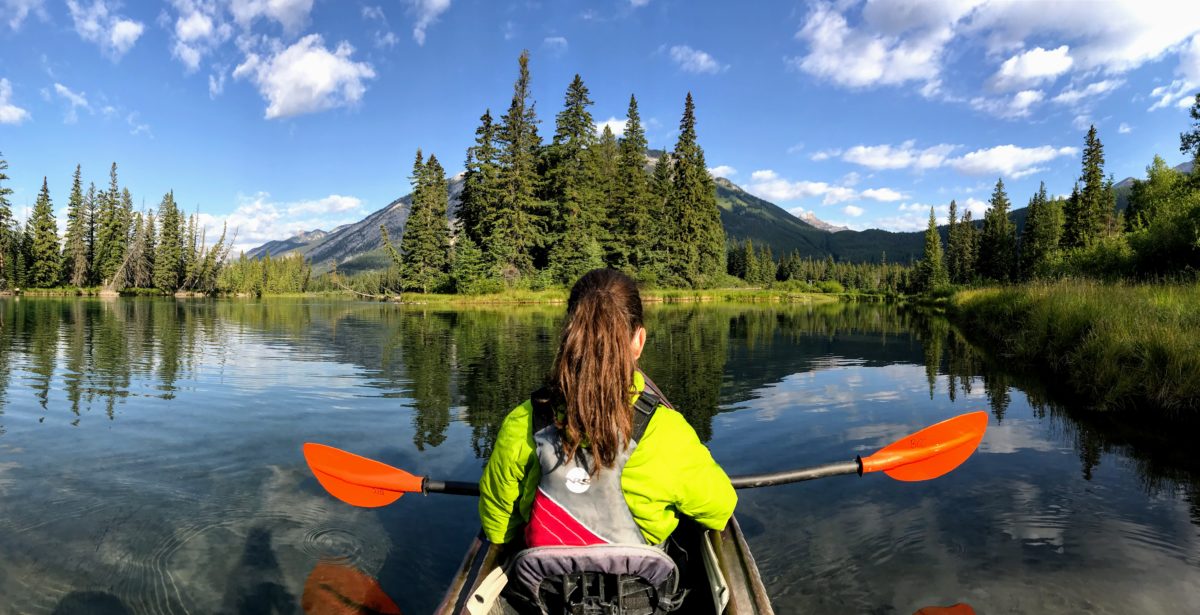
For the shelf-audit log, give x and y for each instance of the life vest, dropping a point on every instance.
(574, 505)
(585, 548)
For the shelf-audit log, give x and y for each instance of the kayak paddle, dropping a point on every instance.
(924, 455)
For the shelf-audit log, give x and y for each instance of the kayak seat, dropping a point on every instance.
(614, 579)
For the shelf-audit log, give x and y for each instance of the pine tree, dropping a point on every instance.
(931, 270)
(8, 237)
(1189, 142)
(147, 280)
(111, 232)
(1042, 233)
(697, 249)
(601, 217)
(469, 270)
(75, 248)
(138, 266)
(657, 232)
(997, 248)
(632, 201)
(1090, 212)
(91, 205)
(567, 159)
(953, 239)
(168, 256)
(766, 267)
(480, 193)
(968, 266)
(44, 265)
(425, 245)
(516, 233)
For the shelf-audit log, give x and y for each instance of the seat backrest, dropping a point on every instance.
(532, 566)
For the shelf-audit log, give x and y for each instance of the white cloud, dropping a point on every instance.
(1082, 122)
(136, 127)
(884, 195)
(1008, 160)
(1113, 37)
(258, 219)
(795, 149)
(1031, 68)
(555, 45)
(723, 170)
(769, 185)
(374, 13)
(97, 24)
(306, 77)
(1124, 128)
(198, 30)
(1071, 96)
(386, 40)
(75, 101)
(10, 113)
(1015, 107)
(902, 157)
(877, 53)
(976, 207)
(695, 61)
(1179, 93)
(616, 126)
(825, 154)
(637, 3)
(853, 211)
(18, 10)
(856, 45)
(291, 15)
(427, 12)
(216, 83)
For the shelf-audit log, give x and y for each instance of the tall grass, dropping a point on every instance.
(1121, 346)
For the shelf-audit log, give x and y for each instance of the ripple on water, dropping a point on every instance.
(341, 546)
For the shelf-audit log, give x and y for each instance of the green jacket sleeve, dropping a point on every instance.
(703, 491)
(672, 471)
(510, 478)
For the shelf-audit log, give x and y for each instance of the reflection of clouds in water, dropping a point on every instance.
(877, 435)
(1031, 521)
(843, 386)
(197, 562)
(834, 362)
(7, 483)
(1012, 436)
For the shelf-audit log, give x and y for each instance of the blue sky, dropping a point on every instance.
(288, 115)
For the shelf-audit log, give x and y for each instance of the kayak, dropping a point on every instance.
(728, 582)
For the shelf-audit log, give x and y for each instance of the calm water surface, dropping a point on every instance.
(150, 456)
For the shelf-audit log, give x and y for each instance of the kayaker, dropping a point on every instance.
(596, 457)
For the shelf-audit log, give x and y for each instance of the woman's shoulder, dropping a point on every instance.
(668, 422)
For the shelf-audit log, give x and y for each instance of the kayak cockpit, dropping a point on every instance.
(716, 570)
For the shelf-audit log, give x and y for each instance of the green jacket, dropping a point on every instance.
(670, 472)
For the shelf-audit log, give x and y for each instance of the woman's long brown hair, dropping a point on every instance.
(593, 369)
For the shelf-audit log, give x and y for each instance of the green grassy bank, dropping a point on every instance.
(1119, 346)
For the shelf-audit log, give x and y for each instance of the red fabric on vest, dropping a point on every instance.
(551, 525)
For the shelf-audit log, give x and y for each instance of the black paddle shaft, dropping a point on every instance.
(794, 476)
(455, 487)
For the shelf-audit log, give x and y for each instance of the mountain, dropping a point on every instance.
(813, 220)
(357, 246)
(1123, 187)
(283, 246)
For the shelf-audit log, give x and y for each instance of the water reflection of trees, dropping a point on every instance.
(1160, 460)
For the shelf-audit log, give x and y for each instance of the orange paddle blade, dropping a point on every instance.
(931, 452)
(333, 589)
(358, 481)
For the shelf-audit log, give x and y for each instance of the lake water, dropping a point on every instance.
(150, 456)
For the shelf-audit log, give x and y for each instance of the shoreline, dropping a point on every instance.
(516, 297)
(1119, 347)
